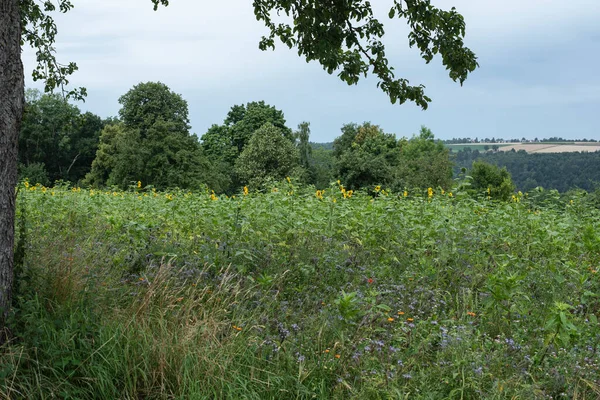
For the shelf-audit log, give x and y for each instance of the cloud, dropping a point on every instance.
(535, 55)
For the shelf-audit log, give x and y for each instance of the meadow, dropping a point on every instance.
(293, 293)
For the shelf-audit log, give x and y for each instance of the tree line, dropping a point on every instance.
(150, 141)
(560, 171)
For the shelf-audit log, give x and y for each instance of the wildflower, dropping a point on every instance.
(326, 351)
(275, 190)
(390, 319)
(471, 314)
(213, 196)
(405, 193)
(443, 192)
(400, 312)
(338, 356)
(429, 192)
(245, 190)
(370, 280)
(319, 194)
(450, 194)
(237, 328)
(377, 188)
(489, 191)
(26, 183)
(338, 182)
(287, 178)
(139, 184)
(410, 319)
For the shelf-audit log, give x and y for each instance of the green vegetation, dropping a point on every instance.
(560, 171)
(152, 143)
(146, 294)
(496, 181)
(269, 156)
(57, 141)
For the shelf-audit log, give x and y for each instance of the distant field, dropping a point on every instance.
(547, 147)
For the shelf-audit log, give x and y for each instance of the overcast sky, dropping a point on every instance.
(539, 72)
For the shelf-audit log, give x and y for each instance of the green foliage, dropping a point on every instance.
(346, 37)
(229, 140)
(494, 181)
(223, 144)
(57, 136)
(425, 163)
(105, 160)
(348, 306)
(560, 171)
(148, 103)
(302, 136)
(152, 144)
(35, 172)
(145, 294)
(322, 167)
(366, 156)
(269, 155)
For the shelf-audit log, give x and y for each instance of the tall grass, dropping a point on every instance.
(286, 295)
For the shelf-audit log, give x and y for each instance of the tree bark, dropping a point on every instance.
(11, 113)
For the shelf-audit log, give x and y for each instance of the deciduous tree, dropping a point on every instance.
(343, 36)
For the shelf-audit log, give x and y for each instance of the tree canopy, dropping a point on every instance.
(269, 155)
(152, 144)
(343, 36)
(58, 138)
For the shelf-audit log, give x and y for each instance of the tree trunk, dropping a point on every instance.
(11, 112)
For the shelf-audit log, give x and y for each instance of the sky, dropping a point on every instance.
(539, 72)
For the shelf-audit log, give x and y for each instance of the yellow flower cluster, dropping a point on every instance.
(429, 192)
(245, 190)
(346, 193)
(319, 194)
(213, 196)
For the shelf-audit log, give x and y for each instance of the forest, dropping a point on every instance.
(560, 171)
(150, 141)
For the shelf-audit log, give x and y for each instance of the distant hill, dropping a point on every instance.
(324, 146)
